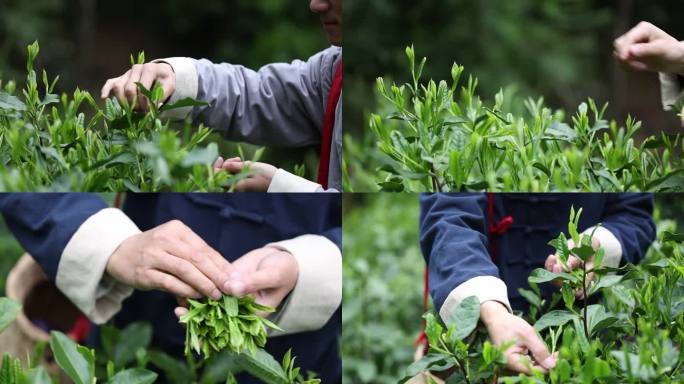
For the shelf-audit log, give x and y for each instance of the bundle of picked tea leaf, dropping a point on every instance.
(228, 324)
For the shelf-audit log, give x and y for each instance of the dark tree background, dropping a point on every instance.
(559, 49)
(89, 41)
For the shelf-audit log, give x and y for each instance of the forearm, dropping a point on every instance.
(280, 104)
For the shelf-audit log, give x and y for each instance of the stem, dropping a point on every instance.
(190, 358)
(461, 365)
(636, 327)
(584, 294)
(436, 185)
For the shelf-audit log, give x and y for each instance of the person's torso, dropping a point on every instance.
(235, 224)
(537, 219)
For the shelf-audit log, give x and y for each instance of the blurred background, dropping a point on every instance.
(559, 49)
(88, 41)
(383, 281)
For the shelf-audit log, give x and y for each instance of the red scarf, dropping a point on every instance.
(328, 125)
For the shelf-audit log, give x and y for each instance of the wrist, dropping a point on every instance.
(680, 65)
(490, 310)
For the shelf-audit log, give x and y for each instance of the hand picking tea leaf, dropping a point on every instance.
(228, 324)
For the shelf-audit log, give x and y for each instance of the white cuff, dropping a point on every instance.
(318, 292)
(486, 288)
(81, 271)
(187, 84)
(284, 181)
(670, 90)
(609, 243)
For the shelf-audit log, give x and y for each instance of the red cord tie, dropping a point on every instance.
(79, 331)
(502, 226)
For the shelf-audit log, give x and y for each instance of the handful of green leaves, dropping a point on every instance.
(229, 323)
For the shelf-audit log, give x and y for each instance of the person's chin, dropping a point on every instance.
(334, 37)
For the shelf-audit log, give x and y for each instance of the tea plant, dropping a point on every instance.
(441, 136)
(125, 353)
(633, 335)
(48, 142)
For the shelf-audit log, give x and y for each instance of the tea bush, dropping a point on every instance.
(126, 356)
(48, 142)
(384, 282)
(634, 334)
(440, 136)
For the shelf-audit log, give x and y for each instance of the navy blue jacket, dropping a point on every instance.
(454, 234)
(233, 224)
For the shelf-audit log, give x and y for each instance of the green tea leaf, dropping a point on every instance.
(423, 365)
(598, 318)
(187, 102)
(541, 275)
(433, 329)
(465, 316)
(205, 156)
(263, 366)
(554, 319)
(676, 237)
(9, 309)
(74, 363)
(135, 336)
(8, 101)
(134, 376)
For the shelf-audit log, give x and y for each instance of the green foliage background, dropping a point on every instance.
(383, 282)
(89, 41)
(382, 286)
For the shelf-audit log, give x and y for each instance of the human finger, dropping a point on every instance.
(188, 273)
(169, 283)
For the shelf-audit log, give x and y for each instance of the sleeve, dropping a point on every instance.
(281, 104)
(318, 292)
(285, 182)
(72, 236)
(671, 89)
(454, 243)
(627, 227)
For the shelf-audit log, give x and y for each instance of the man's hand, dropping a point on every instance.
(258, 181)
(267, 273)
(172, 258)
(648, 48)
(553, 264)
(503, 327)
(125, 89)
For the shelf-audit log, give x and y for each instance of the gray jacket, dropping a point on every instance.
(281, 104)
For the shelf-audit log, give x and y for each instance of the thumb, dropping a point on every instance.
(218, 163)
(180, 311)
(235, 166)
(539, 351)
(262, 279)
